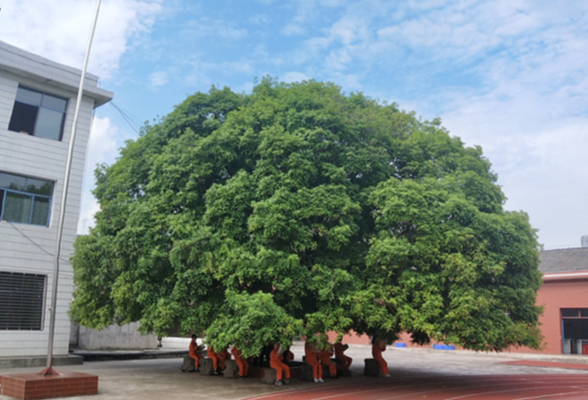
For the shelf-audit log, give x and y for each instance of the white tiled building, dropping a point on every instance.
(37, 101)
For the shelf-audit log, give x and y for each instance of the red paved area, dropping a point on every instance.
(483, 387)
(548, 364)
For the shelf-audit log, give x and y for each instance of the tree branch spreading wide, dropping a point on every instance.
(297, 210)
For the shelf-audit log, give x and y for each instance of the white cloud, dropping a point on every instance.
(158, 78)
(212, 27)
(60, 30)
(290, 77)
(292, 29)
(260, 19)
(102, 148)
(550, 182)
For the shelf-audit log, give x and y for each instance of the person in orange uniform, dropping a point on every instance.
(194, 350)
(222, 357)
(277, 364)
(212, 355)
(241, 362)
(325, 356)
(378, 346)
(312, 359)
(339, 350)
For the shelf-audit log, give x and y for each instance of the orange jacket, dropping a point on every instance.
(236, 352)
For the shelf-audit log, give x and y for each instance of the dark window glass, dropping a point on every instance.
(17, 208)
(38, 114)
(40, 211)
(29, 96)
(11, 181)
(38, 186)
(23, 118)
(572, 328)
(583, 312)
(1, 202)
(570, 312)
(21, 301)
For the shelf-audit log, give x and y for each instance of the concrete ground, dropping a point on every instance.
(162, 379)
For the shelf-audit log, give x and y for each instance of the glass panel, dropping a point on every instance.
(40, 212)
(570, 312)
(39, 186)
(13, 182)
(49, 124)
(17, 208)
(584, 312)
(1, 202)
(54, 102)
(23, 118)
(573, 329)
(28, 96)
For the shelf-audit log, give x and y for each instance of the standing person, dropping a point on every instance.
(277, 364)
(312, 359)
(194, 353)
(378, 346)
(241, 362)
(325, 356)
(212, 355)
(339, 350)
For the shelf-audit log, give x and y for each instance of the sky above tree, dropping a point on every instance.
(510, 76)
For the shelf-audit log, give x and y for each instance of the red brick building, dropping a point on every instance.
(564, 296)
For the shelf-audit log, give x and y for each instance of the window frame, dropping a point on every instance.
(38, 107)
(4, 191)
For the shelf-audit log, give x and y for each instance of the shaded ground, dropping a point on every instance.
(430, 373)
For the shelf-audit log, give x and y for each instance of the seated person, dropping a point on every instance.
(194, 352)
(339, 350)
(277, 364)
(326, 359)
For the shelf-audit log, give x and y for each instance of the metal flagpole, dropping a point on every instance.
(49, 369)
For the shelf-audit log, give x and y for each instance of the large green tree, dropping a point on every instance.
(297, 210)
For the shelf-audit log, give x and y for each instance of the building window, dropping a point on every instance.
(38, 114)
(21, 301)
(25, 200)
(575, 330)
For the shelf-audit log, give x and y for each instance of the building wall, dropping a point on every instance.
(28, 248)
(553, 296)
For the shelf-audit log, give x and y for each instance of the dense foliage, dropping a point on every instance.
(297, 210)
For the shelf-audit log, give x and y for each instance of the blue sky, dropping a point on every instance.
(510, 76)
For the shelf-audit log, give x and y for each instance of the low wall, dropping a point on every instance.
(115, 337)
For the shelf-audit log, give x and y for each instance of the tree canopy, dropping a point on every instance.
(298, 209)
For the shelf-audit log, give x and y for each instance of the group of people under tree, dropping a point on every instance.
(316, 356)
(218, 358)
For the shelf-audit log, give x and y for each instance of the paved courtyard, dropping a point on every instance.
(424, 374)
